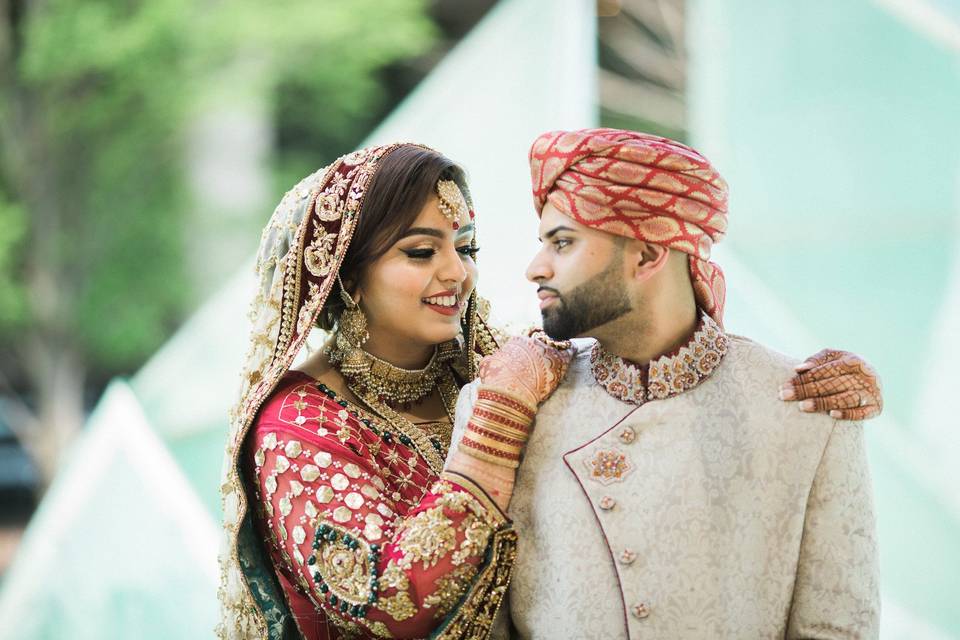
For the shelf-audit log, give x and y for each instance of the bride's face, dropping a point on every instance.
(416, 292)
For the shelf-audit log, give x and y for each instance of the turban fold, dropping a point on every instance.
(639, 186)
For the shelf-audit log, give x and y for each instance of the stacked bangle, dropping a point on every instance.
(485, 414)
(498, 429)
(502, 457)
(507, 401)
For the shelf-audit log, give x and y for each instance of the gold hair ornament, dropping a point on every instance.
(453, 204)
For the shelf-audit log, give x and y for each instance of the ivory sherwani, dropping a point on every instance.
(719, 512)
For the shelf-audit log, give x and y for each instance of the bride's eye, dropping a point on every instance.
(419, 254)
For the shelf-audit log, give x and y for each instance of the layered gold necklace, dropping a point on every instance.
(383, 387)
(385, 381)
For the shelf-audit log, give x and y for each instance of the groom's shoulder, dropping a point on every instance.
(754, 374)
(748, 354)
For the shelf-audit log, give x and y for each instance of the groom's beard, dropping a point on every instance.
(599, 300)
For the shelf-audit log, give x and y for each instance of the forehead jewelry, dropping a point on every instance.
(452, 203)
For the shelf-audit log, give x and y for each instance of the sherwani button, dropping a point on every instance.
(627, 556)
(640, 610)
(627, 435)
(607, 503)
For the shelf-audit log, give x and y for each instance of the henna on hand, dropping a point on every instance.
(836, 382)
(526, 368)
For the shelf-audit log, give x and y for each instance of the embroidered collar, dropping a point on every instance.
(668, 375)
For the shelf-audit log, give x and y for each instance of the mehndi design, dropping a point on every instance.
(838, 382)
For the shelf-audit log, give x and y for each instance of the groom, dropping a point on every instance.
(665, 491)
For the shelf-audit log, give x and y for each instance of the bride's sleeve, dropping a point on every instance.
(333, 529)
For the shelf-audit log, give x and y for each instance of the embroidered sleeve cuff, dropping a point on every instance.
(492, 513)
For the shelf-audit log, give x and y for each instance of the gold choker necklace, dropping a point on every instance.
(386, 382)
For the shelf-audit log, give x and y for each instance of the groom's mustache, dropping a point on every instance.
(548, 289)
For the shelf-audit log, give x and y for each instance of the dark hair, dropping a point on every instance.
(404, 181)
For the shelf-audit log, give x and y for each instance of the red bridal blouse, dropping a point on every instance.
(364, 537)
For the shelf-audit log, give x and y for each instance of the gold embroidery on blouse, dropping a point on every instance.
(399, 606)
(342, 565)
(426, 538)
(393, 577)
(476, 536)
(378, 628)
(348, 629)
(450, 588)
(473, 618)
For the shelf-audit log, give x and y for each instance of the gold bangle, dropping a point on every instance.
(492, 459)
(508, 450)
(489, 447)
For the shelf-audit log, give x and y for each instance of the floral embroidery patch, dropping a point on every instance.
(608, 466)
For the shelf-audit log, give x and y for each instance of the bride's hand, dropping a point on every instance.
(527, 368)
(836, 382)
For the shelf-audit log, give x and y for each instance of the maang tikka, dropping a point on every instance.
(453, 202)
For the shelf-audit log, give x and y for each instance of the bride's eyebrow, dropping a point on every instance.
(435, 233)
(423, 231)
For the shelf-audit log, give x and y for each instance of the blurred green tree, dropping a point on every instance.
(95, 99)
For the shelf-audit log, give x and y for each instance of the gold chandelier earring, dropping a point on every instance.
(351, 334)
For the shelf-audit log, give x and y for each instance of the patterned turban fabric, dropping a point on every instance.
(639, 186)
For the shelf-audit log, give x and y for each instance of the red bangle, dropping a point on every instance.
(495, 436)
(513, 403)
(499, 419)
(473, 444)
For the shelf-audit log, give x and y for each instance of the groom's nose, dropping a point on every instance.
(539, 268)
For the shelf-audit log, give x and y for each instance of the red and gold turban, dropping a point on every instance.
(639, 186)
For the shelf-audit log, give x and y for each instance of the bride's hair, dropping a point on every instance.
(404, 181)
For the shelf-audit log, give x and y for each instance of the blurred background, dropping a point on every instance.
(143, 145)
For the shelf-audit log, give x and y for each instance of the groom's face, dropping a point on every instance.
(581, 276)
